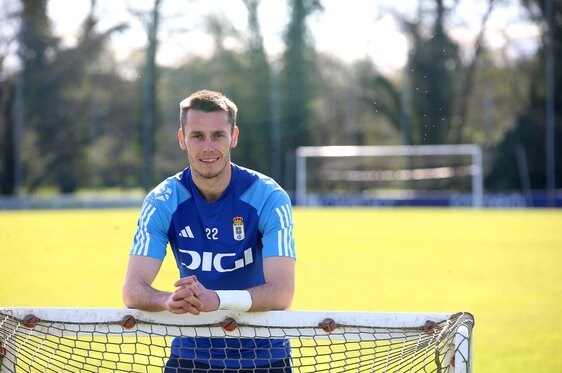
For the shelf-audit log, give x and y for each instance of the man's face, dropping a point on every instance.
(207, 138)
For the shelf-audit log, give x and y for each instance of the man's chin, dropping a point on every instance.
(208, 174)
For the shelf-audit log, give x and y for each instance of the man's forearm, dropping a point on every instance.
(144, 297)
(271, 296)
(279, 287)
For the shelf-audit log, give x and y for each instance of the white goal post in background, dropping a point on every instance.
(475, 169)
(124, 340)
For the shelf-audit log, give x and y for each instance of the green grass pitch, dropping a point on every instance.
(504, 266)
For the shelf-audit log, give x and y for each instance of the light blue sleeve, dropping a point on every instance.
(275, 218)
(151, 236)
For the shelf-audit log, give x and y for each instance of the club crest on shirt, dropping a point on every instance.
(238, 228)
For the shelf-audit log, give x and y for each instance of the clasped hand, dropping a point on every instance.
(192, 297)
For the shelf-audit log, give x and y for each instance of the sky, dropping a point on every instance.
(348, 29)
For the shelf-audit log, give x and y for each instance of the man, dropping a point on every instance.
(230, 230)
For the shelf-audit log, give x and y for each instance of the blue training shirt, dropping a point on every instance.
(223, 243)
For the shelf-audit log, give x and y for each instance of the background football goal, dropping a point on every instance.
(355, 174)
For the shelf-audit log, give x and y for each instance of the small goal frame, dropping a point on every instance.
(98, 322)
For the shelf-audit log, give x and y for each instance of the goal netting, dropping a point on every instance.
(422, 174)
(125, 340)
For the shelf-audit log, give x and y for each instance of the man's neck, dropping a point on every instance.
(212, 188)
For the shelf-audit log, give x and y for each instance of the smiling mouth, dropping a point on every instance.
(208, 160)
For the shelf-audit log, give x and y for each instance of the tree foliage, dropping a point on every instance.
(58, 94)
(511, 170)
(82, 117)
(298, 76)
(433, 64)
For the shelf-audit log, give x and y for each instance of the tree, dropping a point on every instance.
(254, 98)
(430, 102)
(57, 92)
(149, 102)
(40, 108)
(433, 64)
(297, 77)
(461, 108)
(381, 95)
(9, 141)
(530, 134)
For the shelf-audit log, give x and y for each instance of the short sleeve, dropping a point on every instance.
(151, 236)
(276, 225)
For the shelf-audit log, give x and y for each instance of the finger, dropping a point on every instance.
(183, 299)
(196, 289)
(182, 293)
(191, 309)
(194, 311)
(185, 281)
(178, 311)
(191, 305)
(176, 307)
(194, 302)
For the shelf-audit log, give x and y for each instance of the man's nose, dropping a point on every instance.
(207, 144)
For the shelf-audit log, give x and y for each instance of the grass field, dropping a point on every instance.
(504, 266)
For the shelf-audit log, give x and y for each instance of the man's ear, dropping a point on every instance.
(181, 139)
(235, 133)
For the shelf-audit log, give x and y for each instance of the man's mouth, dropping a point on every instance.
(208, 160)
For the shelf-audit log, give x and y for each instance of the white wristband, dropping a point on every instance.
(234, 300)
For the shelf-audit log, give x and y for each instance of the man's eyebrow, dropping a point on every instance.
(216, 132)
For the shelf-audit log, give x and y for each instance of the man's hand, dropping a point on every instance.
(191, 296)
(184, 299)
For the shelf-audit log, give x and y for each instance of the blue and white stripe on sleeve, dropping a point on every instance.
(285, 241)
(151, 236)
(141, 241)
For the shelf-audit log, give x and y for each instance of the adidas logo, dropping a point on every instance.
(186, 232)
